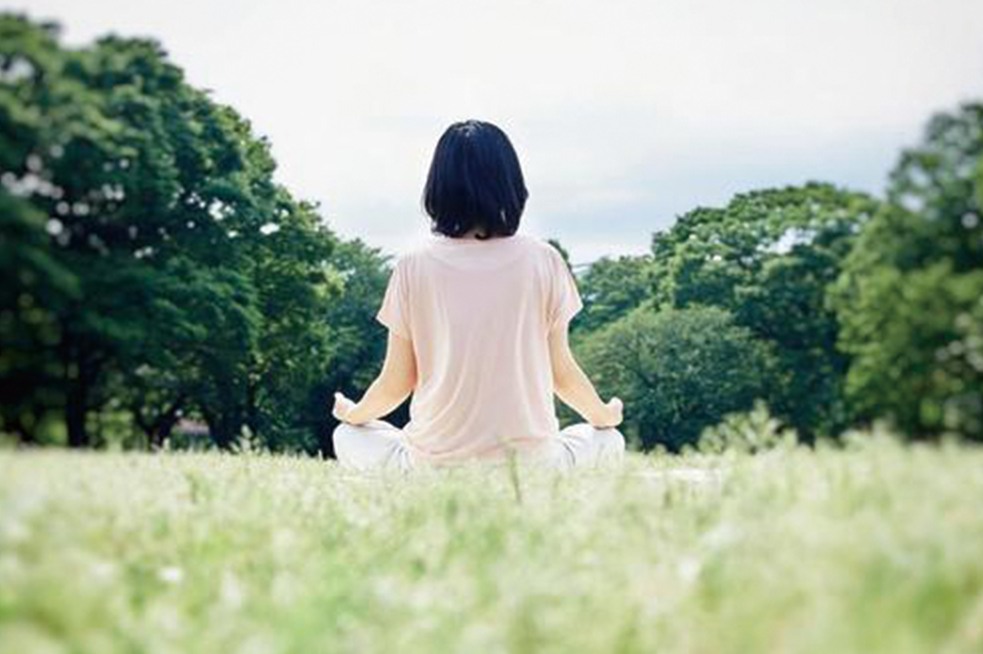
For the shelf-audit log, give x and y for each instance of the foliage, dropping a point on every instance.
(911, 294)
(611, 288)
(768, 258)
(677, 371)
(802, 551)
(159, 269)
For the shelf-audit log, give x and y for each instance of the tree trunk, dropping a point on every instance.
(218, 427)
(165, 423)
(252, 408)
(82, 366)
(158, 429)
(75, 413)
(25, 436)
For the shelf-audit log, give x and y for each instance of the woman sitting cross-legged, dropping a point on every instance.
(477, 320)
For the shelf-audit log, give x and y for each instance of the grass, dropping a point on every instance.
(876, 548)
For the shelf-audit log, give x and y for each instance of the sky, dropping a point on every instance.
(625, 113)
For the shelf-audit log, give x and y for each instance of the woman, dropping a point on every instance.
(477, 321)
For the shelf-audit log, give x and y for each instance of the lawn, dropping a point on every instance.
(871, 548)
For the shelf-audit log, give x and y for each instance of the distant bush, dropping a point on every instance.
(678, 371)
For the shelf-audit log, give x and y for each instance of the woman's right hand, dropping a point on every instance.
(614, 409)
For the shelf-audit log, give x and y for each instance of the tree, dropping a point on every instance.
(911, 294)
(611, 288)
(768, 258)
(294, 274)
(678, 370)
(160, 268)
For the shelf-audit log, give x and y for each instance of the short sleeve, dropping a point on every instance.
(394, 312)
(564, 300)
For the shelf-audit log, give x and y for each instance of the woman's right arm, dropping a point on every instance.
(572, 386)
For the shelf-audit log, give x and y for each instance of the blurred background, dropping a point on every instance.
(762, 201)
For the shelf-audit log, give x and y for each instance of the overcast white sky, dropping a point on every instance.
(625, 113)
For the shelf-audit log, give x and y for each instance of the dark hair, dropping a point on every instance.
(475, 181)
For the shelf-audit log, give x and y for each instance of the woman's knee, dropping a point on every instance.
(358, 446)
(365, 446)
(343, 439)
(581, 430)
(610, 437)
(610, 442)
(593, 444)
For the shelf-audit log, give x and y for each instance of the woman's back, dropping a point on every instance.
(478, 332)
(478, 313)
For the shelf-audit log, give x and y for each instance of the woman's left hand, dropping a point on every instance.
(342, 405)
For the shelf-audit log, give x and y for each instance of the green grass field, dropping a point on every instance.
(876, 548)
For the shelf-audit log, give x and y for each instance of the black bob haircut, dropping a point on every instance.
(475, 181)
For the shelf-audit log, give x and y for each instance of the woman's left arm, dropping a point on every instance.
(393, 385)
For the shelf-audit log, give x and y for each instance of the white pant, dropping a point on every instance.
(378, 444)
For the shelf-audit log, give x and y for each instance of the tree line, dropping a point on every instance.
(833, 307)
(152, 267)
(154, 271)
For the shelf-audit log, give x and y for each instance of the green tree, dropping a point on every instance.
(292, 272)
(678, 371)
(610, 288)
(768, 258)
(160, 269)
(911, 294)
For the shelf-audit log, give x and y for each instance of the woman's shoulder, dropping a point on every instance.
(545, 249)
(537, 244)
(410, 253)
(473, 255)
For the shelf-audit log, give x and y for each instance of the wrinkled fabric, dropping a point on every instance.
(478, 314)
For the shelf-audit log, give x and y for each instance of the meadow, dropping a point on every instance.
(871, 547)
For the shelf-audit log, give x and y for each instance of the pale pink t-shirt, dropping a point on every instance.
(478, 314)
